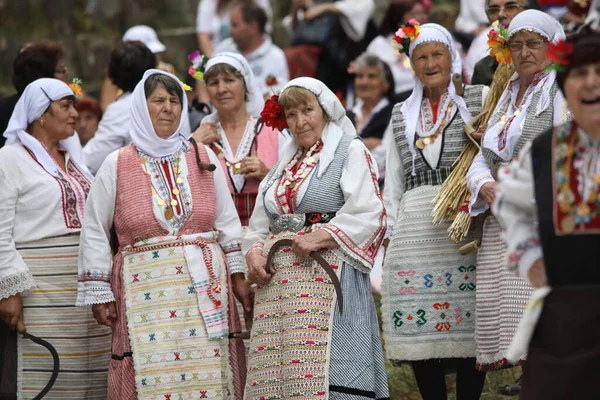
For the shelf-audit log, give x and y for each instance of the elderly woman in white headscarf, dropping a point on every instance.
(428, 292)
(165, 292)
(311, 339)
(43, 189)
(530, 105)
(247, 149)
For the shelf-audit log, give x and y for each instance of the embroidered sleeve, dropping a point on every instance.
(95, 257)
(517, 214)
(478, 175)
(14, 274)
(234, 258)
(359, 226)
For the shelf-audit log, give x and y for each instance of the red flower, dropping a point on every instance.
(273, 115)
(314, 218)
(271, 81)
(560, 52)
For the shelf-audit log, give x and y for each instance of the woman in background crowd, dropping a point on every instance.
(88, 120)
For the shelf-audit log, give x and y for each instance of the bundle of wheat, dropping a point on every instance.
(451, 203)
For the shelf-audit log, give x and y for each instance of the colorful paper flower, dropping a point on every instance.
(198, 67)
(498, 43)
(272, 114)
(406, 34)
(76, 87)
(187, 88)
(559, 53)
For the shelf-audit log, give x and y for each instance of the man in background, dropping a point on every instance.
(249, 38)
(502, 11)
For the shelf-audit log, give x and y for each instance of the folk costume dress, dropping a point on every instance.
(178, 242)
(428, 291)
(501, 296)
(41, 214)
(262, 140)
(301, 345)
(547, 204)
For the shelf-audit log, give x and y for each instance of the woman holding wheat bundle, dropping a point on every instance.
(530, 105)
(428, 293)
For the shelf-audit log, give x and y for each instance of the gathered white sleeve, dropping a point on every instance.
(478, 175)
(14, 273)
(356, 16)
(227, 222)
(516, 212)
(393, 188)
(112, 134)
(95, 256)
(258, 226)
(359, 226)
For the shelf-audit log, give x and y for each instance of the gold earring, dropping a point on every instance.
(42, 122)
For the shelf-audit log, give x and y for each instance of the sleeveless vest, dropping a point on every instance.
(324, 194)
(533, 127)
(571, 259)
(134, 216)
(454, 139)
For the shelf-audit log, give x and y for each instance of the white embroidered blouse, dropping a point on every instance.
(32, 207)
(361, 217)
(502, 137)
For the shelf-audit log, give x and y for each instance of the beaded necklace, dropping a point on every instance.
(574, 151)
(506, 121)
(429, 137)
(243, 150)
(294, 175)
(169, 192)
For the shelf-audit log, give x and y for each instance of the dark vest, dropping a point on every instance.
(572, 259)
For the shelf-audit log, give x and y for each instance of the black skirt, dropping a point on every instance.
(564, 353)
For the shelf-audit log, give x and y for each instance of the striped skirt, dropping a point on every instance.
(428, 292)
(49, 311)
(501, 298)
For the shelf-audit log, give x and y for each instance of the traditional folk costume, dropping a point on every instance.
(501, 296)
(548, 204)
(178, 242)
(301, 345)
(257, 139)
(428, 293)
(41, 212)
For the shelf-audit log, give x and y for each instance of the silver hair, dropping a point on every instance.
(366, 60)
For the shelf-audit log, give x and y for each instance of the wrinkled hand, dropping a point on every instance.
(478, 134)
(256, 267)
(317, 11)
(207, 133)
(537, 274)
(488, 192)
(11, 310)
(243, 292)
(105, 314)
(303, 245)
(253, 168)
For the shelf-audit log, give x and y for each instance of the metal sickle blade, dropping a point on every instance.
(319, 259)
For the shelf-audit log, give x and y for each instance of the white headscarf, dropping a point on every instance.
(412, 106)
(549, 28)
(142, 131)
(34, 101)
(538, 22)
(329, 101)
(255, 102)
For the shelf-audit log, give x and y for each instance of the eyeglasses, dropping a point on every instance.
(531, 44)
(509, 8)
(62, 70)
